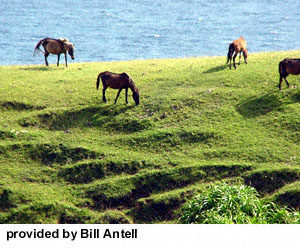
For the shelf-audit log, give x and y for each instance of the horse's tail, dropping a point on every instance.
(282, 68)
(37, 47)
(230, 52)
(98, 80)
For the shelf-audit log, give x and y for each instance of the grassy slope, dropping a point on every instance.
(67, 157)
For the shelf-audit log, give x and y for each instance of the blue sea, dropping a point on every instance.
(114, 30)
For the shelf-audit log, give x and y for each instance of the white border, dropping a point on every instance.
(163, 236)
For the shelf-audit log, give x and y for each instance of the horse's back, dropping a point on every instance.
(114, 80)
(243, 42)
(54, 46)
(290, 66)
(240, 44)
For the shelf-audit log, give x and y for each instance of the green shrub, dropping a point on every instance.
(238, 204)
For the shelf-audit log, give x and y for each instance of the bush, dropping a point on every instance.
(238, 204)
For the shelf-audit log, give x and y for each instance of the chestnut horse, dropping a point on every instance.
(238, 46)
(55, 46)
(286, 67)
(118, 81)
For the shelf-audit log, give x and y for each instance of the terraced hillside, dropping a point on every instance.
(67, 157)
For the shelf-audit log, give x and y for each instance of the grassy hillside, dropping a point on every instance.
(67, 157)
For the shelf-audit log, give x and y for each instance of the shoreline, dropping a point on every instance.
(149, 59)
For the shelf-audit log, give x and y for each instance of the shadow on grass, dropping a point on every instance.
(215, 69)
(36, 68)
(106, 117)
(42, 68)
(257, 106)
(296, 97)
(18, 106)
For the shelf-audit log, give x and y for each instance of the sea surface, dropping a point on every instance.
(114, 30)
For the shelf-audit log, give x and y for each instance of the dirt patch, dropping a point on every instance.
(159, 209)
(88, 171)
(290, 199)
(124, 192)
(149, 210)
(267, 182)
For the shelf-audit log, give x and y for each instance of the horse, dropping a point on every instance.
(118, 81)
(286, 67)
(55, 46)
(238, 46)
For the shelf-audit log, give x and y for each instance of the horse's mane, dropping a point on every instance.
(63, 39)
(131, 83)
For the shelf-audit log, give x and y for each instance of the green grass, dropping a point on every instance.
(67, 157)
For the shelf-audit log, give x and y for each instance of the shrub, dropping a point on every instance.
(237, 204)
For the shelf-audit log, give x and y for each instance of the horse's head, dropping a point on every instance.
(134, 89)
(136, 97)
(70, 48)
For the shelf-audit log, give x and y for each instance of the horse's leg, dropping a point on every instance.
(280, 82)
(126, 95)
(58, 57)
(118, 95)
(66, 59)
(235, 54)
(103, 91)
(240, 58)
(244, 55)
(287, 83)
(46, 55)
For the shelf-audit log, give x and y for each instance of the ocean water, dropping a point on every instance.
(114, 30)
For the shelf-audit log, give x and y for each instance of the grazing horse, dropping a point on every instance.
(118, 81)
(286, 67)
(55, 46)
(238, 46)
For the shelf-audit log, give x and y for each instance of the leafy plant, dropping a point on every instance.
(234, 204)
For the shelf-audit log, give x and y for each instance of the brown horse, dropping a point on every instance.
(238, 46)
(286, 67)
(118, 81)
(55, 46)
